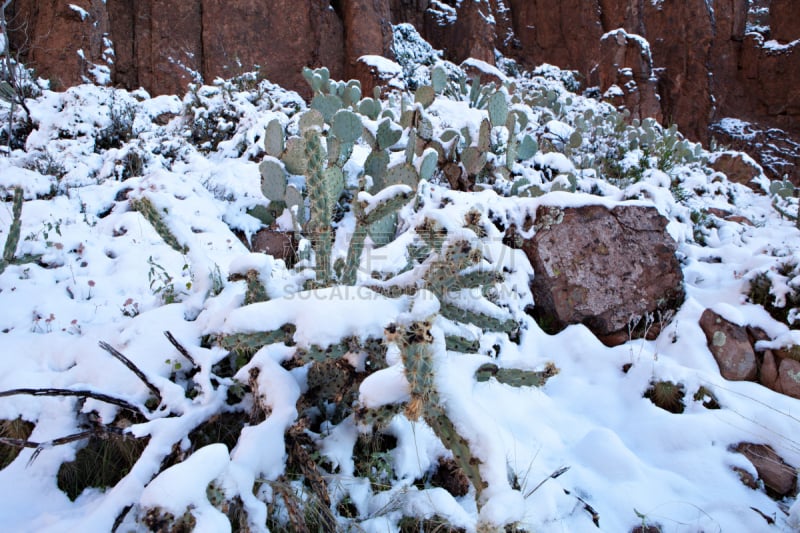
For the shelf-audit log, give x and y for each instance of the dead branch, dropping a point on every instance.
(178, 346)
(77, 393)
(133, 368)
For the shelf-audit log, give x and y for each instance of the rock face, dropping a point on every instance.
(602, 267)
(730, 346)
(784, 20)
(627, 78)
(708, 70)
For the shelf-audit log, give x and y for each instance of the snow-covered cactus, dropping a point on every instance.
(12, 239)
(149, 211)
(320, 205)
(416, 348)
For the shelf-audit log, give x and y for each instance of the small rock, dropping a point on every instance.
(730, 346)
(789, 378)
(779, 478)
(768, 374)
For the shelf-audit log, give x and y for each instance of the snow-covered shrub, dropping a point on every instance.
(414, 54)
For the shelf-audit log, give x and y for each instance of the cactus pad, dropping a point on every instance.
(347, 126)
(273, 138)
(273, 179)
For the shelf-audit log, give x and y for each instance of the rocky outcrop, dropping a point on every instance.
(704, 65)
(626, 74)
(602, 267)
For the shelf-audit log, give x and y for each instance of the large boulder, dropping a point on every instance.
(602, 267)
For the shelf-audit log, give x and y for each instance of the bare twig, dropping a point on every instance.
(178, 346)
(554, 475)
(132, 367)
(102, 430)
(78, 393)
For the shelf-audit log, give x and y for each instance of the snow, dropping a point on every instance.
(105, 274)
(484, 67)
(382, 65)
(80, 11)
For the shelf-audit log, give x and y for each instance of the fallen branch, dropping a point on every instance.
(178, 346)
(132, 367)
(78, 393)
(101, 431)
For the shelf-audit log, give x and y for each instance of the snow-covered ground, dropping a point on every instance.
(106, 275)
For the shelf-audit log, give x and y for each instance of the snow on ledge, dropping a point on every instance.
(382, 65)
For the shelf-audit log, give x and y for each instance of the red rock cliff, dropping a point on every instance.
(701, 66)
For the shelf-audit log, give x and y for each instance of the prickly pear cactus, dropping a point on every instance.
(12, 240)
(273, 180)
(347, 126)
(273, 138)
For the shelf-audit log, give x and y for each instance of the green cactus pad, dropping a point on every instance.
(388, 134)
(484, 136)
(250, 343)
(273, 179)
(527, 148)
(255, 289)
(352, 92)
(327, 104)
(311, 119)
(427, 165)
(474, 160)
(295, 198)
(438, 78)
(388, 205)
(377, 165)
(273, 138)
(347, 126)
(425, 95)
(294, 156)
(515, 377)
(403, 174)
(425, 128)
(575, 140)
(498, 109)
(370, 108)
(334, 183)
(411, 146)
(383, 230)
